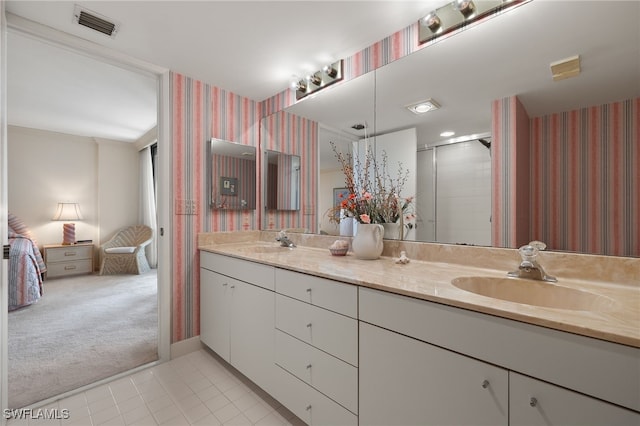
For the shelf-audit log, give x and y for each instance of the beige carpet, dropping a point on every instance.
(83, 329)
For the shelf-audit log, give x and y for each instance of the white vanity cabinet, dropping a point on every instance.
(237, 314)
(316, 348)
(534, 402)
(426, 363)
(404, 381)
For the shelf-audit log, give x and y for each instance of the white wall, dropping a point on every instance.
(47, 167)
(400, 147)
(329, 179)
(463, 194)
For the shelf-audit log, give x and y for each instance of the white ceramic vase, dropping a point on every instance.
(392, 231)
(367, 244)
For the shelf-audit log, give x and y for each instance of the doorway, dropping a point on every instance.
(160, 81)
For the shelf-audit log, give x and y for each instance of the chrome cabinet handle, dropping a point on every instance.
(308, 366)
(309, 325)
(533, 402)
(485, 384)
(308, 290)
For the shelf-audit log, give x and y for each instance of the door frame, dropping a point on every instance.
(13, 23)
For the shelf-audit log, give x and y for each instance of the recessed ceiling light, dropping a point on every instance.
(423, 106)
(447, 134)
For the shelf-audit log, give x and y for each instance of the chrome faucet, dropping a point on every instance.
(284, 240)
(529, 267)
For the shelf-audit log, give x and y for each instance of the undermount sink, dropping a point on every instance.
(532, 292)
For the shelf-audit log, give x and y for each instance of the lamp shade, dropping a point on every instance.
(68, 211)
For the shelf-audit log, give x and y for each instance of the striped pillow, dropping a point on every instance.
(19, 227)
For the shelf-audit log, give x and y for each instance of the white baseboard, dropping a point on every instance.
(185, 347)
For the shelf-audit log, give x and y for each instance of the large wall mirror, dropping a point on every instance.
(281, 181)
(232, 175)
(506, 56)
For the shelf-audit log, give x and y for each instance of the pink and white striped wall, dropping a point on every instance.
(581, 170)
(199, 112)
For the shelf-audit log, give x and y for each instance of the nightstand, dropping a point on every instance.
(67, 260)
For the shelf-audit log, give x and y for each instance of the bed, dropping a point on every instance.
(26, 266)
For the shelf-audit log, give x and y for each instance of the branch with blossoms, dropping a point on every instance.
(373, 195)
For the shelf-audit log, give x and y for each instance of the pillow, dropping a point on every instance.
(120, 250)
(18, 226)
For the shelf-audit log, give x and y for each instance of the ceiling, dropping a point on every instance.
(510, 55)
(250, 48)
(253, 48)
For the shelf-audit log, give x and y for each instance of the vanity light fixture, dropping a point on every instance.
(423, 106)
(466, 7)
(459, 13)
(330, 74)
(330, 71)
(432, 21)
(314, 79)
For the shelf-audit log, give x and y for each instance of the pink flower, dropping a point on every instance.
(367, 196)
(365, 218)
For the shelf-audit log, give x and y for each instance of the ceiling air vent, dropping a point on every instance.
(94, 21)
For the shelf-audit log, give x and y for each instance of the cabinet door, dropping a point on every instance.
(533, 402)
(252, 332)
(215, 296)
(404, 381)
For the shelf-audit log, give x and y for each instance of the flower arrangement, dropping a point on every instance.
(373, 195)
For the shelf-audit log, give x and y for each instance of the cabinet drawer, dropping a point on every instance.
(326, 330)
(71, 253)
(308, 404)
(243, 270)
(332, 295)
(69, 268)
(331, 376)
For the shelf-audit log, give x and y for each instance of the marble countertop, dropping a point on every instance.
(616, 320)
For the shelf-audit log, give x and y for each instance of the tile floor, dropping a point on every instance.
(195, 389)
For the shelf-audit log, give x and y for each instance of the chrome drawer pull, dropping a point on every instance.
(70, 267)
(70, 253)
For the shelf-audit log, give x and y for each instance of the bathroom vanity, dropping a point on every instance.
(339, 340)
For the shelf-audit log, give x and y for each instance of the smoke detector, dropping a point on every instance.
(565, 68)
(94, 21)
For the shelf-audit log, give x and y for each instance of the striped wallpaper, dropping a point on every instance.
(295, 135)
(198, 113)
(585, 179)
(244, 171)
(580, 170)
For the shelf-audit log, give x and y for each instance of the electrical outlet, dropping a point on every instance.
(186, 206)
(179, 207)
(191, 207)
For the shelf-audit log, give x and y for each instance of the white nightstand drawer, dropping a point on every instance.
(326, 330)
(332, 295)
(69, 253)
(328, 374)
(69, 268)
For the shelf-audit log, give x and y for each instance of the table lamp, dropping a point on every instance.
(68, 212)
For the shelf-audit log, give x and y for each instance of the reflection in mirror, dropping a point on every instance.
(574, 128)
(232, 175)
(282, 181)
